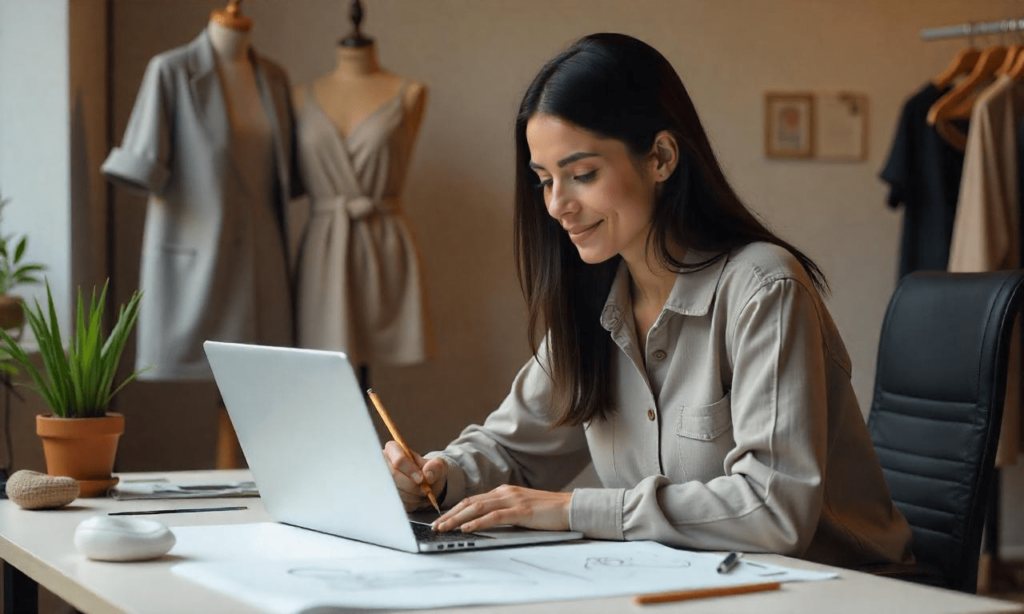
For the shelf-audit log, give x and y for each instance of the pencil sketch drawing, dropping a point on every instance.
(765, 571)
(611, 562)
(335, 578)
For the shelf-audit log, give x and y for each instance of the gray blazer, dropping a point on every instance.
(177, 148)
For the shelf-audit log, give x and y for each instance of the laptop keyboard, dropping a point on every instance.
(424, 533)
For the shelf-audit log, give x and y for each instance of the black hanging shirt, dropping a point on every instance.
(923, 172)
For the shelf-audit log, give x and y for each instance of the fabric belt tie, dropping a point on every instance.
(356, 207)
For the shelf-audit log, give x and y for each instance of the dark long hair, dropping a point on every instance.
(618, 87)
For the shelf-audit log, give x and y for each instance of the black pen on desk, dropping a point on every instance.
(181, 510)
(730, 562)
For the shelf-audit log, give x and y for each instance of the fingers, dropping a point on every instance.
(435, 471)
(402, 463)
(412, 477)
(472, 514)
(499, 506)
(510, 505)
(410, 494)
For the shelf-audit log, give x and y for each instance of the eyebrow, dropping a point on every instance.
(579, 155)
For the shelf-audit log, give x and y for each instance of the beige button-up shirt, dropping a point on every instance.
(739, 429)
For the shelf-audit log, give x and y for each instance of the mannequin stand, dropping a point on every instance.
(227, 441)
(364, 376)
(228, 32)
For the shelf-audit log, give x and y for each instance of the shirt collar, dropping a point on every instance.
(692, 292)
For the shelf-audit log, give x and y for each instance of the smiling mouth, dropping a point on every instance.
(576, 235)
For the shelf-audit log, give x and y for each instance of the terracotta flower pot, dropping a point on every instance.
(82, 448)
(12, 316)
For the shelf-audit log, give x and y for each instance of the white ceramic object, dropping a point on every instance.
(116, 538)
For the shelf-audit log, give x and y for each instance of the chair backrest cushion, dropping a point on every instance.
(935, 416)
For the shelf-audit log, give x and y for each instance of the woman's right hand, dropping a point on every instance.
(410, 475)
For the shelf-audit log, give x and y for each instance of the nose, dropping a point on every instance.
(561, 201)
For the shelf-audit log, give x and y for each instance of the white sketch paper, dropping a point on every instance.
(292, 570)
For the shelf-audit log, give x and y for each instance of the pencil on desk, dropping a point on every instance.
(401, 442)
(700, 593)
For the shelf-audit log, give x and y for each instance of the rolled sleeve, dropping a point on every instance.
(141, 162)
(597, 512)
(135, 171)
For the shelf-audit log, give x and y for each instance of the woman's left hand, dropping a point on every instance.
(512, 505)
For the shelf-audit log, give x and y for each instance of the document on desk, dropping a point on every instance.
(287, 570)
(163, 489)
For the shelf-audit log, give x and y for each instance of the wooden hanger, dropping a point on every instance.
(952, 135)
(961, 65)
(1011, 58)
(949, 107)
(958, 102)
(1016, 72)
(231, 17)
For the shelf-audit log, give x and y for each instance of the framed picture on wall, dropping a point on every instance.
(788, 125)
(841, 126)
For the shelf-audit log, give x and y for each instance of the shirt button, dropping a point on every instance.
(650, 414)
(660, 355)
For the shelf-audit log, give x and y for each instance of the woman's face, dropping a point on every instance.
(594, 188)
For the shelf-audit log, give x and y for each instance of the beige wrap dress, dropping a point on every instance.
(359, 281)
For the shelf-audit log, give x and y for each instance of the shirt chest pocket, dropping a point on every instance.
(703, 437)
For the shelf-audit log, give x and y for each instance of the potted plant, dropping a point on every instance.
(14, 272)
(80, 437)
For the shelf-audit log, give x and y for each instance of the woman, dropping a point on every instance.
(686, 351)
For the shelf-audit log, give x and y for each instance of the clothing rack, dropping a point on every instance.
(973, 28)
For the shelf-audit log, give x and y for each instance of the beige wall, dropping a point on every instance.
(477, 56)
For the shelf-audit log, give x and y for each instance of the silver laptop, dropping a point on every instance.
(308, 437)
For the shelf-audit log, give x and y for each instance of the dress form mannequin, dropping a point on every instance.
(210, 142)
(358, 86)
(350, 97)
(238, 79)
(252, 148)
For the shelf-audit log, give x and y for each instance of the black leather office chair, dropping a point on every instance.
(937, 409)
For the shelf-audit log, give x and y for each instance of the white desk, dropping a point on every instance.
(40, 545)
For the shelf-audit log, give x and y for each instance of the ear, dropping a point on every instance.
(664, 156)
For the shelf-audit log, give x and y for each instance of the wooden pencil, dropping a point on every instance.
(401, 442)
(701, 593)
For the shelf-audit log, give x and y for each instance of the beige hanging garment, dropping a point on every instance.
(987, 227)
(360, 287)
